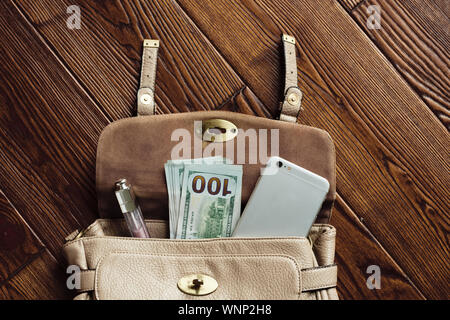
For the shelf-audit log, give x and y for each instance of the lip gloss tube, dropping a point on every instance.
(131, 210)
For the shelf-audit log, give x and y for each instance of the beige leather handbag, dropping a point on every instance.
(115, 266)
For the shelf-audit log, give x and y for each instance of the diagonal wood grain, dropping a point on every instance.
(391, 150)
(18, 244)
(356, 249)
(117, 18)
(51, 150)
(444, 6)
(43, 278)
(349, 5)
(105, 54)
(48, 134)
(415, 36)
(60, 183)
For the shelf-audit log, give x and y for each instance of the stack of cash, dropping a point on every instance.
(204, 197)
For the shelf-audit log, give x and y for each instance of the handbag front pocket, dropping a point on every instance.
(117, 267)
(124, 275)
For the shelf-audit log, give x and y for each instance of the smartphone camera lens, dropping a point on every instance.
(280, 164)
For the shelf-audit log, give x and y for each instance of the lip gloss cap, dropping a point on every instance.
(125, 196)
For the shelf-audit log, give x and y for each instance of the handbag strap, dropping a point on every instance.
(289, 108)
(316, 278)
(146, 92)
(291, 105)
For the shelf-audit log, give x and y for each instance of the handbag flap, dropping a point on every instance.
(137, 149)
(133, 276)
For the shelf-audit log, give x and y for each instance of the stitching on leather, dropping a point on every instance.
(320, 267)
(101, 222)
(161, 240)
(327, 286)
(318, 225)
(297, 268)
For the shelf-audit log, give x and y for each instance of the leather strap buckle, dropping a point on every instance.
(291, 105)
(146, 96)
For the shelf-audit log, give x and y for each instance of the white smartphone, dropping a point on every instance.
(285, 201)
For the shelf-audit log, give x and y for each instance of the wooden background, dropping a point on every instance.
(383, 95)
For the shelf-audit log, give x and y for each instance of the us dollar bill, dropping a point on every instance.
(174, 170)
(210, 203)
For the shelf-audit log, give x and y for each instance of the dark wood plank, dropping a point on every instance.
(245, 101)
(237, 97)
(60, 186)
(415, 37)
(18, 244)
(48, 135)
(391, 150)
(349, 5)
(42, 279)
(105, 54)
(444, 6)
(356, 249)
(64, 186)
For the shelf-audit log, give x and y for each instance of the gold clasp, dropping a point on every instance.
(218, 130)
(197, 284)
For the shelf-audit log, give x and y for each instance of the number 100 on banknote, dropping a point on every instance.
(210, 202)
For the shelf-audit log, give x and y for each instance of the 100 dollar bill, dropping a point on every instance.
(210, 203)
(174, 170)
